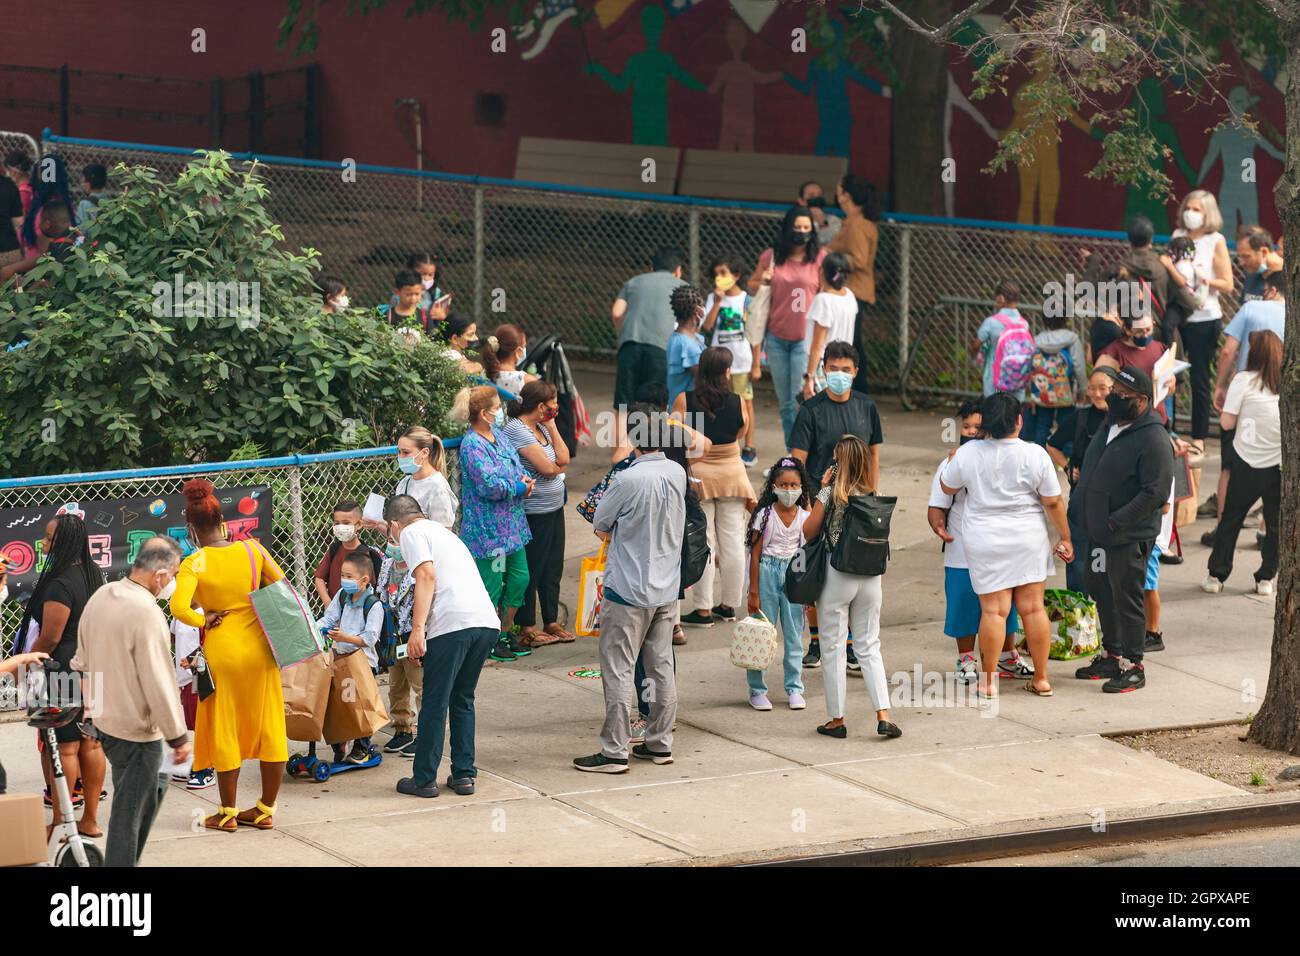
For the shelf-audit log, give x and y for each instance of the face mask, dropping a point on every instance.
(1122, 408)
(965, 438)
(1193, 219)
(1141, 340)
(519, 354)
(341, 302)
(724, 283)
(166, 593)
(344, 532)
(427, 283)
(475, 346)
(801, 238)
(789, 496)
(408, 465)
(839, 382)
(349, 587)
(549, 413)
(394, 551)
(499, 417)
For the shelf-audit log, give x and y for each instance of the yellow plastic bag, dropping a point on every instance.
(591, 590)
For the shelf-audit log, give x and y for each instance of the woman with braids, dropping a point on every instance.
(774, 536)
(243, 719)
(67, 580)
(501, 353)
(686, 344)
(725, 492)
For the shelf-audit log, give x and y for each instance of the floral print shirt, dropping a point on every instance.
(492, 518)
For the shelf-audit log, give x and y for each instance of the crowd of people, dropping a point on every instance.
(460, 579)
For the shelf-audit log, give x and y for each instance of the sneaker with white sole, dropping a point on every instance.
(760, 702)
(638, 731)
(797, 702)
(1015, 667)
(1211, 584)
(658, 756)
(599, 763)
(967, 669)
(1265, 587)
(201, 779)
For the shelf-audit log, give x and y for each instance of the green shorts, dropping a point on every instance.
(742, 386)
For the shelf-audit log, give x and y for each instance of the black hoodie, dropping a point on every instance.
(1124, 485)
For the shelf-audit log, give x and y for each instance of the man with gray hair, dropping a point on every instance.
(124, 653)
(643, 517)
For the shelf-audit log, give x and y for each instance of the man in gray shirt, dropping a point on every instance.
(644, 322)
(643, 517)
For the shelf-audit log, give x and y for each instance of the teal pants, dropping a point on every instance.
(505, 575)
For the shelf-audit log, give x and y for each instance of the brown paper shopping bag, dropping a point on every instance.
(306, 687)
(356, 705)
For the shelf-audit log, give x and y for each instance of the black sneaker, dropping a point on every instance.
(398, 742)
(1129, 679)
(1101, 667)
(360, 754)
(407, 786)
(501, 651)
(853, 659)
(1168, 557)
(698, 619)
(1208, 508)
(518, 649)
(658, 756)
(724, 613)
(599, 763)
(814, 656)
(409, 750)
(1155, 641)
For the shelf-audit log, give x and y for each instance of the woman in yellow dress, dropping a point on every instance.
(244, 718)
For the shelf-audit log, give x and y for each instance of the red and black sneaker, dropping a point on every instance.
(1130, 678)
(1101, 667)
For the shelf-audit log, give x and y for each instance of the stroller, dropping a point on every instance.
(47, 712)
(546, 360)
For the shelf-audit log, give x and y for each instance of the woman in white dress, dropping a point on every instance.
(1011, 492)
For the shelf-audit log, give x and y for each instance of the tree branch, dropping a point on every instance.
(934, 34)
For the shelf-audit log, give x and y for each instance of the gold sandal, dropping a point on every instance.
(225, 818)
(263, 819)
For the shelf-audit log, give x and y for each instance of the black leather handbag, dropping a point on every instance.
(806, 575)
(863, 545)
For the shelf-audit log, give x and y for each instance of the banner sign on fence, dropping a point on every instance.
(117, 528)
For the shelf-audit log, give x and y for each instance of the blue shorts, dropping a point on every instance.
(1153, 570)
(962, 618)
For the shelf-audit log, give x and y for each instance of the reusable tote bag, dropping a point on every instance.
(289, 628)
(306, 687)
(591, 589)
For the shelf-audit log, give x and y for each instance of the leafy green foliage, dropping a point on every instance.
(115, 376)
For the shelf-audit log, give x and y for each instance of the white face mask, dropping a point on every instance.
(788, 496)
(166, 593)
(519, 354)
(427, 283)
(341, 302)
(345, 532)
(1193, 219)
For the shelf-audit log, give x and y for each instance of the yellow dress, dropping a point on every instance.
(244, 718)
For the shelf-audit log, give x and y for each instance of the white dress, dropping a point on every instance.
(1004, 528)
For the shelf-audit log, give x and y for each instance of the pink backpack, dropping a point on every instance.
(1013, 355)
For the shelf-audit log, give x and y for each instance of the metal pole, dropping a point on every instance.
(478, 254)
(694, 240)
(256, 110)
(299, 540)
(904, 298)
(216, 112)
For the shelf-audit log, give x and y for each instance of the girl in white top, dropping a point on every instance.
(1011, 490)
(833, 315)
(774, 537)
(502, 352)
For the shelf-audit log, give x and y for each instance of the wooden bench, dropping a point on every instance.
(759, 177)
(574, 162)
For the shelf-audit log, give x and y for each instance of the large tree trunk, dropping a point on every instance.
(1277, 725)
(920, 100)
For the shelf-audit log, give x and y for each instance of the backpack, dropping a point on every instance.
(1051, 379)
(386, 645)
(1012, 355)
(376, 556)
(863, 544)
(695, 543)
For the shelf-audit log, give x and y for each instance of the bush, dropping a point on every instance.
(114, 374)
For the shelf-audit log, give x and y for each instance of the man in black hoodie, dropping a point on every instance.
(1122, 491)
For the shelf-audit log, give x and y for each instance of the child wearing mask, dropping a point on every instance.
(433, 299)
(353, 621)
(347, 530)
(686, 344)
(396, 589)
(831, 318)
(724, 317)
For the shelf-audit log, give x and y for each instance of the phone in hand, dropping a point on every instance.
(442, 302)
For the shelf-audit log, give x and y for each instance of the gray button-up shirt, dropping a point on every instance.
(645, 509)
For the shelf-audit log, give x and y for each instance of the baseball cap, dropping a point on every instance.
(1132, 377)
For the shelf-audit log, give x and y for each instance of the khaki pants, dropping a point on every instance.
(405, 678)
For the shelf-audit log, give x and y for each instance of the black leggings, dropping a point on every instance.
(1200, 340)
(545, 568)
(1246, 485)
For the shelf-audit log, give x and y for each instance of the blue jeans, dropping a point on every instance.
(452, 663)
(788, 617)
(1039, 420)
(787, 361)
(1074, 570)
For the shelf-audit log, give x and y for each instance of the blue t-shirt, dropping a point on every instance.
(1254, 316)
(683, 355)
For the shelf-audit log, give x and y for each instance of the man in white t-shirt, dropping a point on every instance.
(453, 626)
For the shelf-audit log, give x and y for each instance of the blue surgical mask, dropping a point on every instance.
(499, 419)
(407, 465)
(349, 587)
(839, 382)
(1141, 340)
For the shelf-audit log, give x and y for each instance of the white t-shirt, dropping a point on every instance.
(954, 555)
(1166, 535)
(459, 600)
(779, 539)
(1004, 527)
(1204, 262)
(729, 330)
(437, 500)
(1258, 438)
(837, 314)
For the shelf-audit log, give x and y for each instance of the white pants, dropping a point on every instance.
(726, 546)
(851, 602)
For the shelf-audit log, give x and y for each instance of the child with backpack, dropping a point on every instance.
(1058, 380)
(354, 621)
(403, 311)
(1006, 346)
(396, 589)
(347, 530)
(724, 316)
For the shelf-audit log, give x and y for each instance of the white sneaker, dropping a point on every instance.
(967, 671)
(1211, 584)
(1265, 587)
(637, 735)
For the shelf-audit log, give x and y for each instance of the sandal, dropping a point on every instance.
(1029, 686)
(224, 818)
(560, 634)
(537, 639)
(263, 819)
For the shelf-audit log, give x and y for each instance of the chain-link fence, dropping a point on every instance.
(304, 490)
(553, 258)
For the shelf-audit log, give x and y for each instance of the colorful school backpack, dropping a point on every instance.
(1012, 355)
(1051, 379)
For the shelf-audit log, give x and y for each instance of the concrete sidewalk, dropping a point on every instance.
(748, 785)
